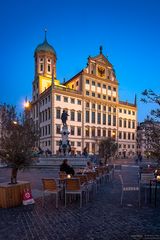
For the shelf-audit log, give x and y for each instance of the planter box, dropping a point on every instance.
(11, 194)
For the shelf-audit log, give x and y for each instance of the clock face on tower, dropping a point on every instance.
(101, 71)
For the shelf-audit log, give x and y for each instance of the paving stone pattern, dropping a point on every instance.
(102, 218)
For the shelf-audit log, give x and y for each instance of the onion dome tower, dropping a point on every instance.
(45, 59)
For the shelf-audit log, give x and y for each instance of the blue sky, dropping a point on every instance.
(128, 30)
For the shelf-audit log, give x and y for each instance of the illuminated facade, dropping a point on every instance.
(91, 100)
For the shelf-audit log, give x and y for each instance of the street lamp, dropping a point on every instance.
(26, 104)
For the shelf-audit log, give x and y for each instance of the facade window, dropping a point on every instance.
(104, 108)
(49, 113)
(58, 97)
(79, 131)
(129, 136)
(93, 132)
(124, 123)
(93, 105)
(72, 115)
(72, 86)
(99, 132)
(72, 130)
(109, 109)
(87, 131)
(120, 135)
(133, 136)
(87, 81)
(65, 99)
(128, 146)
(124, 135)
(109, 133)
(78, 144)
(104, 96)
(129, 124)
(49, 98)
(99, 95)
(129, 112)
(114, 99)
(133, 124)
(93, 94)
(49, 129)
(109, 98)
(132, 146)
(72, 100)
(114, 110)
(77, 83)
(98, 118)
(120, 122)
(104, 86)
(79, 102)
(87, 116)
(109, 120)
(114, 89)
(104, 132)
(109, 87)
(79, 116)
(87, 93)
(46, 115)
(58, 128)
(133, 113)
(104, 119)
(93, 117)
(87, 104)
(72, 144)
(93, 147)
(93, 83)
(58, 113)
(99, 107)
(45, 130)
(120, 110)
(125, 111)
(114, 120)
(98, 85)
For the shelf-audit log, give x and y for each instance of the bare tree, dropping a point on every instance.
(152, 124)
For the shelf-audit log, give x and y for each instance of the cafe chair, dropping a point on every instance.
(144, 182)
(50, 186)
(73, 187)
(129, 188)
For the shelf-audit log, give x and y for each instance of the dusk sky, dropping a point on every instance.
(128, 30)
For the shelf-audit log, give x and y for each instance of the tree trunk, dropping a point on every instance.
(14, 175)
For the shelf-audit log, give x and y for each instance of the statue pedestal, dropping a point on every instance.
(64, 143)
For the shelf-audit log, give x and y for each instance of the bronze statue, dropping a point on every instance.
(64, 117)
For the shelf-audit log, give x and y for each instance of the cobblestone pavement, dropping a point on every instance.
(102, 218)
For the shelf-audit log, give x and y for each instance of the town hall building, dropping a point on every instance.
(91, 100)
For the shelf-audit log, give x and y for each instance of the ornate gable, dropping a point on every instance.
(100, 67)
(101, 59)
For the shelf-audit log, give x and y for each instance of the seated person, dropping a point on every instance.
(89, 167)
(64, 167)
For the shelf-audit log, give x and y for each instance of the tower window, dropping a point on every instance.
(49, 67)
(41, 67)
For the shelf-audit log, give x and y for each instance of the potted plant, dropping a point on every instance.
(17, 139)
